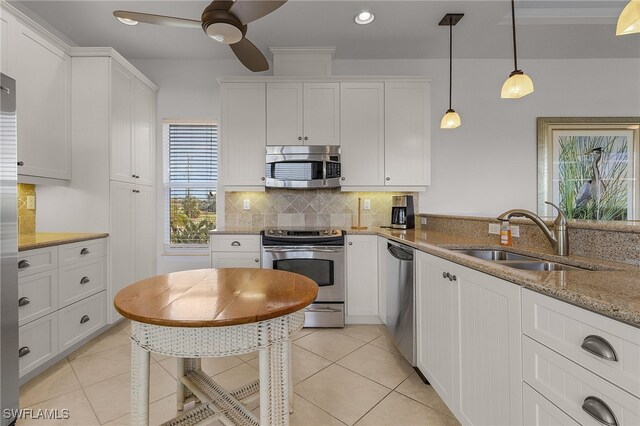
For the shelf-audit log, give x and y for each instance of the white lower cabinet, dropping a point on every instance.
(362, 275)
(539, 411)
(37, 296)
(38, 342)
(81, 319)
(234, 251)
(223, 259)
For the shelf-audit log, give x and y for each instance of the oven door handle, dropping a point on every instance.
(299, 249)
(326, 309)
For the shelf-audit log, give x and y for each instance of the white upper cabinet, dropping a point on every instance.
(132, 128)
(243, 132)
(42, 72)
(362, 133)
(303, 114)
(407, 134)
(4, 44)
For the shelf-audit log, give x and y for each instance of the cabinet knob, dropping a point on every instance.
(387, 178)
(23, 301)
(85, 251)
(23, 264)
(133, 176)
(342, 178)
(262, 178)
(306, 138)
(445, 275)
(256, 260)
(84, 280)
(453, 278)
(85, 318)
(599, 410)
(24, 351)
(600, 347)
(20, 163)
(299, 138)
(350, 243)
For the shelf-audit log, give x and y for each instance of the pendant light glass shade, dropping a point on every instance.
(629, 20)
(450, 120)
(517, 85)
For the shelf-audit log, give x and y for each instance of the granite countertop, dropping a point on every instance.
(48, 239)
(608, 288)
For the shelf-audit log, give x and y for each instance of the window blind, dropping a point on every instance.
(193, 153)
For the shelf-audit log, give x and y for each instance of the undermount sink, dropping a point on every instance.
(518, 261)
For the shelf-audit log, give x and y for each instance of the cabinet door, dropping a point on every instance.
(362, 133)
(42, 72)
(122, 89)
(243, 133)
(407, 146)
(437, 325)
(321, 113)
(222, 259)
(144, 106)
(284, 114)
(382, 280)
(4, 44)
(362, 277)
(490, 351)
(539, 411)
(144, 242)
(120, 240)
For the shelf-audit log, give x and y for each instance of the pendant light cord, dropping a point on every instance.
(513, 25)
(450, 60)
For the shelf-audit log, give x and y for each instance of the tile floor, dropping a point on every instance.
(341, 377)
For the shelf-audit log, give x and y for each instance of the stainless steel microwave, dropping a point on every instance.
(302, 166)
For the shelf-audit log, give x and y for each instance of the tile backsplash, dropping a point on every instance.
(307, 208)
(26, 217)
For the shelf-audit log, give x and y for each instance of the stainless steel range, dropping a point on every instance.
(317, 254)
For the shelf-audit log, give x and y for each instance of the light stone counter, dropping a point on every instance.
(48, 239)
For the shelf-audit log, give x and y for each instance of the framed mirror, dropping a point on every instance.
(590, 167)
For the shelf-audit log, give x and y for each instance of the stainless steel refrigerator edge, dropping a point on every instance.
(400, 319)
(8, 252)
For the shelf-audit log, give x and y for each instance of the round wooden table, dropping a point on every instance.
(212, 313)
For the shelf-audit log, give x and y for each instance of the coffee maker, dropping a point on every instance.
(402, 215)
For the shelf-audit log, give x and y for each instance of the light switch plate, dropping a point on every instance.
(494, 228)
(423, 221)
(246, 204)
(31, 202)
(367, 204)
(515, 231)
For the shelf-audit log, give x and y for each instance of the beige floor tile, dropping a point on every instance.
(111, 398)
(306, 364)
(307, 414)
(111, 338)
(54, 381)
(416, 389)
(102, 365)
(304, 332)
(329, 344)
(341, 393)
(158, 357)
(211, 366)
(364, 332)
(379, 365)
(248, 357)
(159, 412)
(397, 409)
(80, 412)
(385, 342)
(237, 376)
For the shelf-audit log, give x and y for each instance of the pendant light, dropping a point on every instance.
(518, 84)
(451, 118)
(629, 20)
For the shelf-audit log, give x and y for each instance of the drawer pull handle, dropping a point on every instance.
(599, 410)
(84, 251)
(23, 351)
(84, 280)
(24, 263)
(23, 301)
(256, 260)
(599, 347)
(84, 319)
(236, 244)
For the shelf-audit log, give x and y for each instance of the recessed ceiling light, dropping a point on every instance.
(127, 21)
(364, 17)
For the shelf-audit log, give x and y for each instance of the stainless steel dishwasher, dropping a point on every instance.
(401, 322)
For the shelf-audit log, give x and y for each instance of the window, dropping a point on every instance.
(190, 181)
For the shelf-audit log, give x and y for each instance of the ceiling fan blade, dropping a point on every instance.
(250, 10)
(148, 18)
(250, 55)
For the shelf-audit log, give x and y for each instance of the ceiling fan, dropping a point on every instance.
(224, 21)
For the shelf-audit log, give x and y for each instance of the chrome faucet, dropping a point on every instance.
(559, 237)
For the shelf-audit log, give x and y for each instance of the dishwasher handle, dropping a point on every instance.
(400, 253)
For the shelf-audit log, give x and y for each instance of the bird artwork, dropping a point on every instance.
(594, 188)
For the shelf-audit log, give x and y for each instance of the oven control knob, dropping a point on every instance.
(325, 232)
(279, 231)
(334, 232)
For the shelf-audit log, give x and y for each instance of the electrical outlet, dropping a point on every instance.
(367, 204)
(246, 204)
(423, 221)
(515, 231)
(494, 228)
(31, 202)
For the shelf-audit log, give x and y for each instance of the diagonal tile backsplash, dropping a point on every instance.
(307, 208)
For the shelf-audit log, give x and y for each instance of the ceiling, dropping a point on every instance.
(401, 30)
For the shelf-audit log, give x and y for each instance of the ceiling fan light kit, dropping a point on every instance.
(127, 21)
(629, 20)
(451, 118)
(518, 84)
(364, 17)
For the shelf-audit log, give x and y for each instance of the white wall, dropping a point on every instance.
(484, 167)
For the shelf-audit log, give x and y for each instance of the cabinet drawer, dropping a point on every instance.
(564, 328)
(78, 252)
(38, 260)
(539, 411)
(79, 281)
(38, 342)
(221, 259)
(568, 386)
(37, 296)
(79, 320)
(237, 243)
